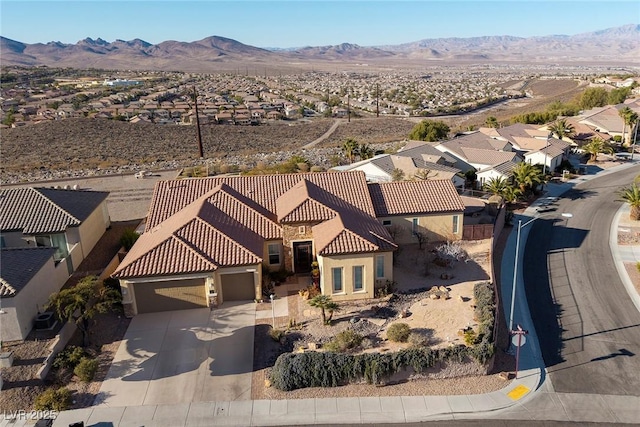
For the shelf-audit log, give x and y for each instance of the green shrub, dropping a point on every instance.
(70, 357)
(128, 238)
(398, 332)
(483, 351)
(345, 340)
(638, 265)
(276, 334)
(470, 337)
(86, 369)
(53, 400)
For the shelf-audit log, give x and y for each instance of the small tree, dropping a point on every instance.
(128, 238)
(325, 304)
(428, 130)
(631, 195)
(82, 302)
(491, 122)
(423, 175)
(350, 148)
(595, 147)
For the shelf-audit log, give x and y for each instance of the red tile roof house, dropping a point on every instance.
(207, 240)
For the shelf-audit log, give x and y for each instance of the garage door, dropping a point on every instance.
(171, 295)
(237, 287)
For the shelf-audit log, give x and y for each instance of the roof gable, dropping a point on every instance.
(19, 266)
(304, 202)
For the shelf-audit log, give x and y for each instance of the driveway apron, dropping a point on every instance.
(183, 356)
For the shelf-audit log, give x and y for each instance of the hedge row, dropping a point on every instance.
(312, 369)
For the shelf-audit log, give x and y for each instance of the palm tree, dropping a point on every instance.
(397, 174)
(365, 151)
(631, 195)
(325, 304)
(496, 186)
(631, 119)
(423, 175)
(350, 148)
(511, 194)
(562, 129)
(595, 147)
(624, 114)
(526, 176)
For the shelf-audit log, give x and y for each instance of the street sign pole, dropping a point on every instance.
(518, 340)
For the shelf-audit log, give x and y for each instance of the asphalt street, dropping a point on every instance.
(589, 330)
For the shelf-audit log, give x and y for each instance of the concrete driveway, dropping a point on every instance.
(183, 356)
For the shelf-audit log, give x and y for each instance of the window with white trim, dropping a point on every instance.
(358, 278)
(336, 279)
(455, 224)
(414, 225)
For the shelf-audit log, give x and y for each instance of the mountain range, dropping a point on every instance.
(614, 46)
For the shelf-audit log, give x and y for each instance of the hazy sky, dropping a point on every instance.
(305, 22)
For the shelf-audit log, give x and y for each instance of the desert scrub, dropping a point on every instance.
(345, 340)
(70, 357)
(276, 334)
(53, 399)
(86, 369)
(398, 332)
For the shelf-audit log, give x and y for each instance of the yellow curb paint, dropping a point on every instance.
(518, 392)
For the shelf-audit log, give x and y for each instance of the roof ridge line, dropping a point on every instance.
(224, 236)
(55, 205)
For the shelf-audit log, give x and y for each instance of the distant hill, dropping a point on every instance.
(620, 45)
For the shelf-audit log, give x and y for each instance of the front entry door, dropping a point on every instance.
(302, 257)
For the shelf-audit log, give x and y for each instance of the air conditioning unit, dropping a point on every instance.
(45, 320)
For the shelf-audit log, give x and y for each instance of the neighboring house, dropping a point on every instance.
(432, 208)
(212, 239)
(551, 154)
(604, 119)
(68, 223)
(502, 170)
(381, 168)
(27, 277)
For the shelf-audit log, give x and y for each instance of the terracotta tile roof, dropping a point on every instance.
(214, 230)
(46, 210)
(349, 233)
(304, 202)
(415, 197)
(202, 224)
(19, 265)
(262, 190)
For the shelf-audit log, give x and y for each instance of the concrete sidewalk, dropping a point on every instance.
(529, 397)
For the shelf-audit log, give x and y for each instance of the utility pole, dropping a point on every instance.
(377, 100)
(198, 135)
(348, 107)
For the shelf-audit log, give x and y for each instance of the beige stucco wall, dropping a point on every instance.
(22, 309)
(437, 228)
(347, 262)
(265, 255)
(92, 228)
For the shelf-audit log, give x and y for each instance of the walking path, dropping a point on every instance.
(529, 397)
(324, 136)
